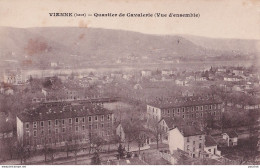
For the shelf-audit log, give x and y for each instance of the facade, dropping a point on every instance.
(146, 73)
(188, 139)
(13, 77)
(231, 138)
(190, 109)
(57, 125)
(211, 147)
(167, 123)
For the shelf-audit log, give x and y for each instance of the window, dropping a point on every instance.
(197, 108)
(34, 124)
(96, 118)
(102, 125)
(199, 145)
(183, 116)
(27, 125)
(76, 128)
(188, 147)
(49, 131)
(188, 139)
(70, 128)
(56, 131)
(183, 109)
(192, 108)
(200, 137)
(76, 120)
(63, 129)
(42, 123)
(96, 126)
(193, 149)
(83, 127)
(34, 133)
(90, 127)
(210, 107)
(70, 120)
(209, 150)
(56, 122)
(49, 123)
(89, 119)
(42, 132)
(83, 119)
(108, 117)
(193, 142)
(206, 107)
(63, 121)
(102, 118)
(201, 108)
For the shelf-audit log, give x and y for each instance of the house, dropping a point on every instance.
(181, 82)
(168, 123)
(137, 86)
(146, 73)
(237, 72)
(211, 147)
(14, 77)
(167, 72)
(190, 139)
(221, 70)
(231, 138)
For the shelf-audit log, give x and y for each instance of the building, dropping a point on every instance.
(167, 72)
(13, 77)
(189, 109)
(190, 139)
(211, 147)
(233, 78)
(231, 138)
(56, 125)
(146, 73)
(168, 123)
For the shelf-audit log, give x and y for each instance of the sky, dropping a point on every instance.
(218, 18)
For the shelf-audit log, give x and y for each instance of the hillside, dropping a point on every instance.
(82, 46)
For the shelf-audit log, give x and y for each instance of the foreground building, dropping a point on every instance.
(57, 125)
(188, 139)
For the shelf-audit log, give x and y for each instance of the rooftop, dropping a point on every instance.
(209, 141)
(43, 112)
(185, 101)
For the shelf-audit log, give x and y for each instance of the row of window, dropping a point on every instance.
(195, 114)
(90, 119)
(183, 109)
(63, 129)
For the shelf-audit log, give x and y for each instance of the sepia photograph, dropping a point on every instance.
(127, 82)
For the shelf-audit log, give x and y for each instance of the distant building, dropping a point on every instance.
(146, 73)
(167, 72)
(189, 139)
(233, 78)
(181, 82)
(54, 126)
(13, 77)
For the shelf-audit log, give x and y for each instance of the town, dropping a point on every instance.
(180, 115)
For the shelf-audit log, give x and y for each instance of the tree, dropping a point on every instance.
(95, 160)
(121, 151)
(156, 131)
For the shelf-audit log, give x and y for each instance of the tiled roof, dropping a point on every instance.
(173, 122)
(232, 134)
(190, 131)
(209, 141)
(43, 113)
(184, 101)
